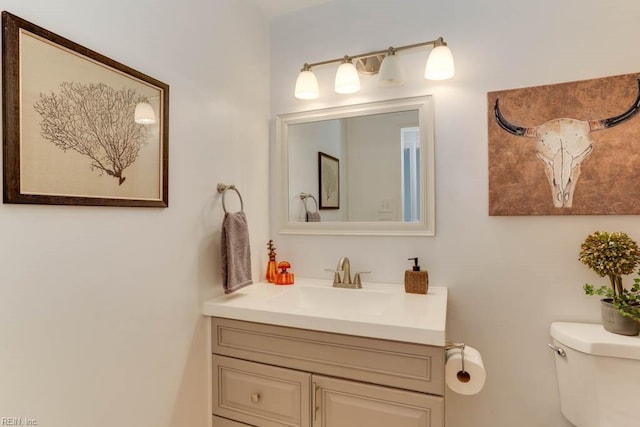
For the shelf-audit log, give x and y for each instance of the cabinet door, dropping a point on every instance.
(260, 395)
(342, 403)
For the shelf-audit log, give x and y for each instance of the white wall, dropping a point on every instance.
(100, 307)
(509, 277)
(305, 141)
(374, 169)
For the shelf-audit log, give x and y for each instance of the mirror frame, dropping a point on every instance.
(426, 225)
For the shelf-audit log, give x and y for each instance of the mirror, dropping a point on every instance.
(365, 169)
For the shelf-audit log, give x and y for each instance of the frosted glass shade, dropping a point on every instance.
(347, 79)
(144, 114)
(439, 64)
(306, 85)
(391, 72)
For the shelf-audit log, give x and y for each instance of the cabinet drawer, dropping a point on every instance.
(261, 395)
(223, 422)
(409, 366)
(340, 403)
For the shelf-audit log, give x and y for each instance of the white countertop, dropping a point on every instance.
(378, 310)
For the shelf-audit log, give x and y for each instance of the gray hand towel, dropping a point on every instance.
(313, 216)
(236, 253)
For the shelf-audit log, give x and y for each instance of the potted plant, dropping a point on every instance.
(614, 255)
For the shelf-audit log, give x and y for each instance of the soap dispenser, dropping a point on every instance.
(416, 281)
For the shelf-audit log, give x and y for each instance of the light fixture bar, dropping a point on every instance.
(437, 42)
(439, 67)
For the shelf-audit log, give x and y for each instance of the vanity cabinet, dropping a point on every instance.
(268, 375)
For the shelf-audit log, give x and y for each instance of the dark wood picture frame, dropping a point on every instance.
(54, 155)
(328, 181)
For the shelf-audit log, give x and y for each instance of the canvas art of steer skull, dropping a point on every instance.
(562, 145)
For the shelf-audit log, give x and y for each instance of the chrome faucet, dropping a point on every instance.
(342, 276)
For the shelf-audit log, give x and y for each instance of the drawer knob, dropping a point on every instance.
(255, 397)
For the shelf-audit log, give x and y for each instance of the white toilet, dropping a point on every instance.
(598, 375)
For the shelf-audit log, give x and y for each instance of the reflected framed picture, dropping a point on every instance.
(79, 128)
(328, 181)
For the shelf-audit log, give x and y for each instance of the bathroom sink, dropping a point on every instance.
(335, 301)
(377, 310)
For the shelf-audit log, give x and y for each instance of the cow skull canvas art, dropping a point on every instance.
(560, 144)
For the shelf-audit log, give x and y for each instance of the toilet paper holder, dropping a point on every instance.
(462, 375)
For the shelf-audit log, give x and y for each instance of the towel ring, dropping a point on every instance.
(222, 189)
(304, 197)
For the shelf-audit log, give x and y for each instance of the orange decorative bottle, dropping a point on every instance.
(284, 277)
(272, 271)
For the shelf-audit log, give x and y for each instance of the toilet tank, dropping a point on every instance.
(599, 376)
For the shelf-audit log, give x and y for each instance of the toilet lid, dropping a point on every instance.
(593, 339)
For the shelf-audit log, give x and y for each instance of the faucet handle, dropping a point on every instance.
(356, 279)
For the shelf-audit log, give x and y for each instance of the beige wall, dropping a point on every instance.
(509, 277)
(99, 307)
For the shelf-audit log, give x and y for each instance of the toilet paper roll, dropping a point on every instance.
(456, 380)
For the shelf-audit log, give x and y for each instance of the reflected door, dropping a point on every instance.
(410, 143)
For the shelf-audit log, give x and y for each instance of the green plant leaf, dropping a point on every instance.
(605, 291)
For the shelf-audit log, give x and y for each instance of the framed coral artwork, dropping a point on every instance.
(328, 181)
(79, 128)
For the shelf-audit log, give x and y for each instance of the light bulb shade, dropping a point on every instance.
(391, 72)
(306, 85)
(144, 114)
(439, 64)
(347, 79)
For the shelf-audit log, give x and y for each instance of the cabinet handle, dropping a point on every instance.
(255, 397)
(314, 402)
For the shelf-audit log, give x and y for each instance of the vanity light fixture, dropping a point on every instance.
(391, 72)
(347, 79)
(439, 64)
(144, 114)
(307, 84)
(386, 62)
